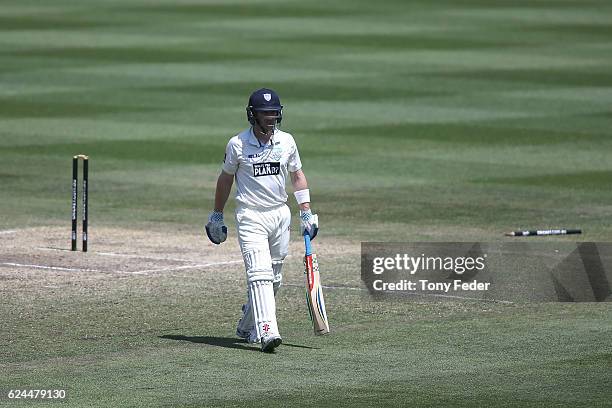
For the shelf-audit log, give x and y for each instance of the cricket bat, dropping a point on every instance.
(314, 292)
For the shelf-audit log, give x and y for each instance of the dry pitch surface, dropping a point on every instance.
(153, 269)
(44, 254)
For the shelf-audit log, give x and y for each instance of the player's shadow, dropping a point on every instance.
(228, 342)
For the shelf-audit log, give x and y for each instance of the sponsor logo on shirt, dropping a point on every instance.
(266, 169)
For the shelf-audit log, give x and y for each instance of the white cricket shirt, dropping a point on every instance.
(261, 170)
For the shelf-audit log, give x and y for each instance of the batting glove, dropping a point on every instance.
(216, 229)
(309, 222)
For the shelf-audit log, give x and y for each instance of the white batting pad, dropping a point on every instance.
(264, 308)
(247, 322)
(258, 264)
(278, 276)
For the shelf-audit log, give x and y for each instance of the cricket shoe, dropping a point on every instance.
(270, 342)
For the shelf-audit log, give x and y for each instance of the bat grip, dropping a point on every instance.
(307, 243)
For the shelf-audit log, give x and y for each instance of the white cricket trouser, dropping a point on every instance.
(263, 235)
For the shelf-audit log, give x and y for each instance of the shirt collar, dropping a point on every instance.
(255, 142)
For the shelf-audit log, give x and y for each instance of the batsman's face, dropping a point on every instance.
(268, 118)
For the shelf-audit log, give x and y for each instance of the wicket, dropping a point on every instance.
(75, 177)
(543, 232)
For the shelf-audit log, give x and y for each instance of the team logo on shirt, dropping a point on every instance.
(266, 169)
(276, 153)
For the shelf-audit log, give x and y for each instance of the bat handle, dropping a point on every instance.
(307, 243)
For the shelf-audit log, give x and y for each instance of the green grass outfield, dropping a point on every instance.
(416, 121)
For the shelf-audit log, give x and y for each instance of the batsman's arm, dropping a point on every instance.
(299, 182)
(224, 187)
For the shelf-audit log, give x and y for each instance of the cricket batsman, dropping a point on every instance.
(260, 158)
